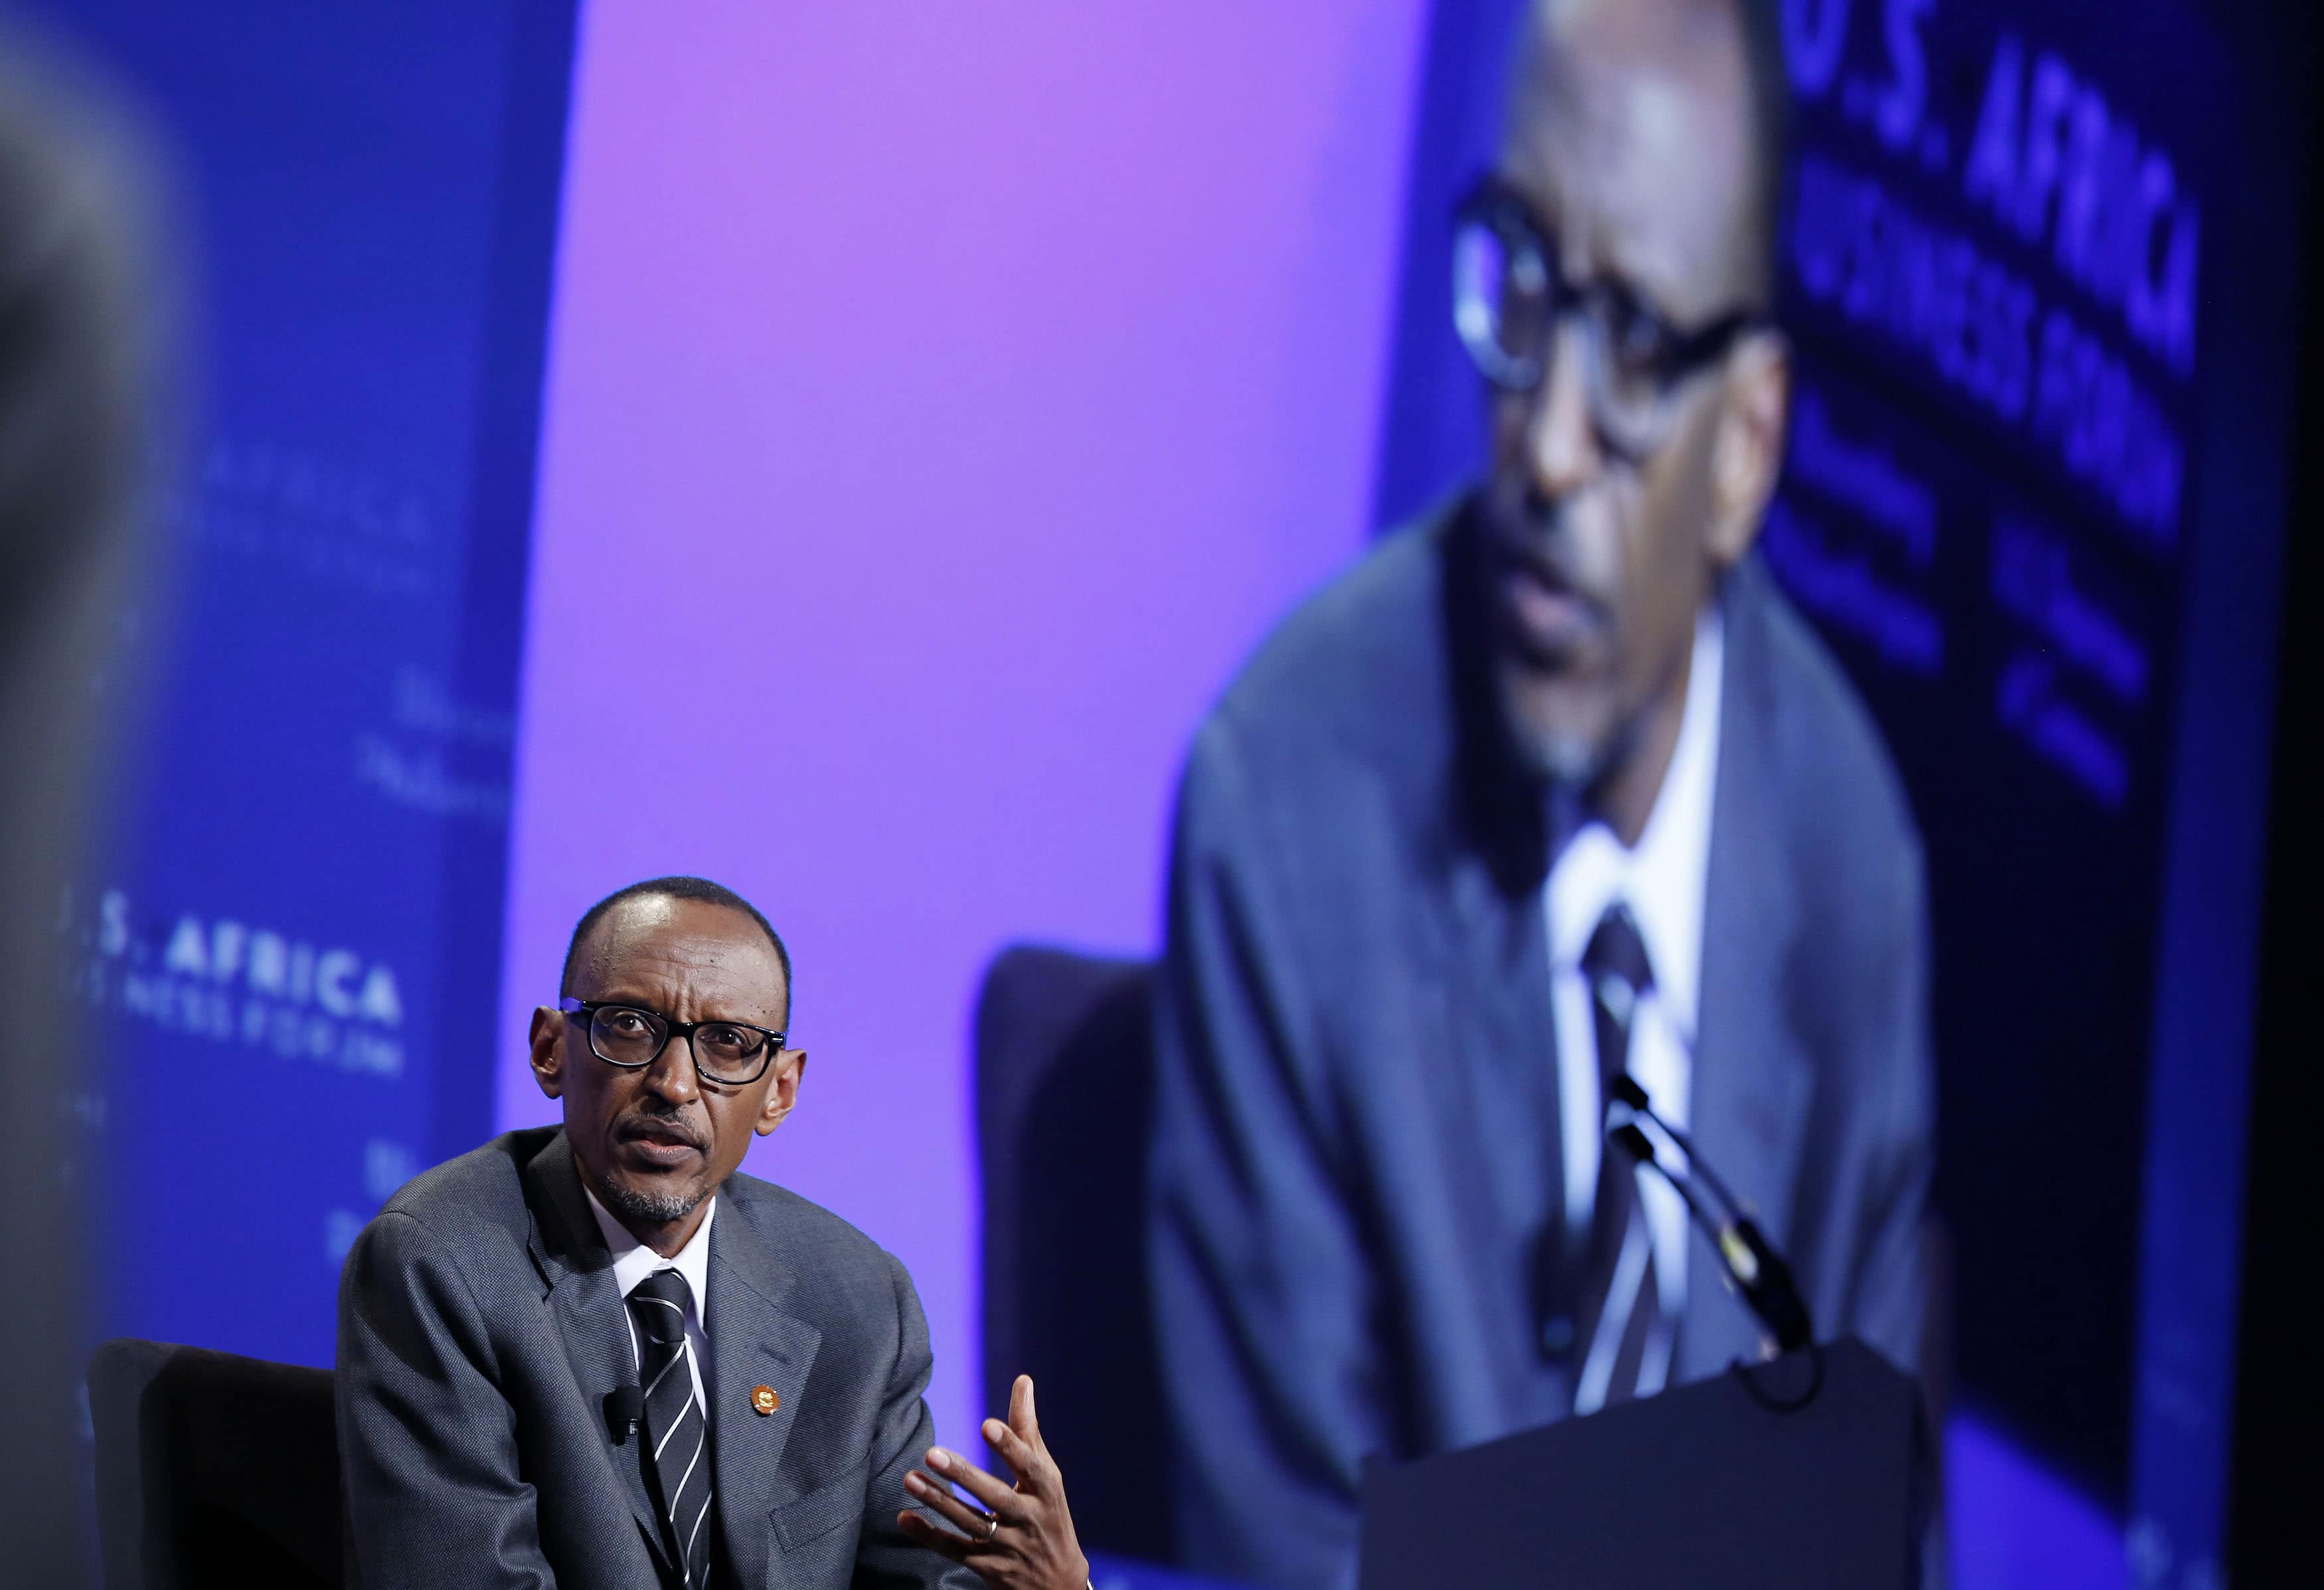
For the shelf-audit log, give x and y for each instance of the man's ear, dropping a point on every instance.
(1747, 453)
(788, 1066)
(547, 1052)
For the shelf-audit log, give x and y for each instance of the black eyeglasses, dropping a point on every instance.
(729, 1053)
(1509, 295)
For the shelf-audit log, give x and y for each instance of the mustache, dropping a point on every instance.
(1526, 529)
(1538, 556)
(664, 1124)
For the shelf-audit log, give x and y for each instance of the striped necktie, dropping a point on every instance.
(1624, 1348)
(677, 1434)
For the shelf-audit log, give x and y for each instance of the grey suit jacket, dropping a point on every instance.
(1356, 1165)
(480, 1334)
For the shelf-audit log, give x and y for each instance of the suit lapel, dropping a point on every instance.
(1493, 954)
(753, 1343)
(570, 1253)
(1487, 844)
(1753, 1084)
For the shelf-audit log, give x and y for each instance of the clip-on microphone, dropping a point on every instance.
(1750, 1259)
(625, 1407)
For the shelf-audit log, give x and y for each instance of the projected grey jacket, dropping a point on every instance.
(1357, 1142)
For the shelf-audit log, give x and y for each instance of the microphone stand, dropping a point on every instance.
(1757, 1271)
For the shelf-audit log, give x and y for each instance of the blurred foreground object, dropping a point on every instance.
(77, 378)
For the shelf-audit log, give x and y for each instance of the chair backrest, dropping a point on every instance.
(214, 1470)
(1064, 1069)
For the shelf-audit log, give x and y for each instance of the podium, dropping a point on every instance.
(1810, 1470)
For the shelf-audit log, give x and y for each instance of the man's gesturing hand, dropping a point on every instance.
(1015, 1537)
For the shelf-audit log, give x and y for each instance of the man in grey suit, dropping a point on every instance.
(596, 1355)
(1553, 786)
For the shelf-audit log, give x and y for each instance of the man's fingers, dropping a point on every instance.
(1021, 1409)
(936, 1540)
(1023, 1419)
(969, 1520)
(1023, 1459)
(939, 1500)
(996, 1494)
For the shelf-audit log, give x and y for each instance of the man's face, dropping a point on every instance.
(653, 1143)
(1629, 139)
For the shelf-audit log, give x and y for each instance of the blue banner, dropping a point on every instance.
(2034, 501)
(294, 955)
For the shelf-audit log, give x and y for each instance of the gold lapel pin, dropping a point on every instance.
(763, 1400)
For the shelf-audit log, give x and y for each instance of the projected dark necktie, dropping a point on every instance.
(1620, 1304)
(677, 1435)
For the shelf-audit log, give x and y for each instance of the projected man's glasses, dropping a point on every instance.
(1509, 297)
(730, 1053)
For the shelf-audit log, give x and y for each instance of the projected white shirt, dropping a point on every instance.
(1662, 882)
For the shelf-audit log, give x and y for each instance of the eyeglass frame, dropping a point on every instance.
(587, 1010)
(1680, 354)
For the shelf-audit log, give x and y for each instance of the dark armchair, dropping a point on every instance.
(213, 1471)
(1065, 1065)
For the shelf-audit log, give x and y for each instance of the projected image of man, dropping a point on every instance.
(1553, 787)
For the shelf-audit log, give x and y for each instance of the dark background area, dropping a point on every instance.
(2274, 1482)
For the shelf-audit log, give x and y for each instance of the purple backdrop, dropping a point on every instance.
(941, 401)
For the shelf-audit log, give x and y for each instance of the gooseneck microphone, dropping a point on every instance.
(1626, 1088)
(1750, 1259)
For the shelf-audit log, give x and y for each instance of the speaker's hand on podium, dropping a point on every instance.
(1022, 1537)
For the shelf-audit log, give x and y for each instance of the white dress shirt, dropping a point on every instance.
(1661, 879)
(633, 1261)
